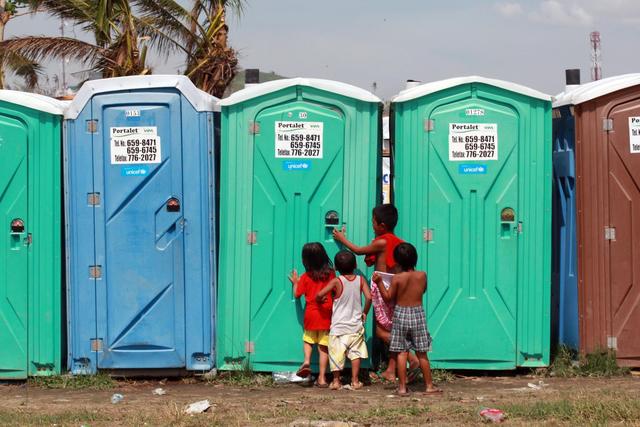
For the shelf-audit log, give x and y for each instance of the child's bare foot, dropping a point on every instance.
(356, 386)
(402, 392)
(389, 376)
(335, 385)
(431, 389)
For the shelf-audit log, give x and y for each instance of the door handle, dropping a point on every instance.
(173, 205)
(17, 226)
(331, 221)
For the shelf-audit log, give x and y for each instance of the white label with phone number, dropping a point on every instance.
(135, 145)
(298, 140)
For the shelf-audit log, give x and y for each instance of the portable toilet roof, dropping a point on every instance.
(200, 100)
(596, 89)
(340, 88)
(429, 88)
(34, 101)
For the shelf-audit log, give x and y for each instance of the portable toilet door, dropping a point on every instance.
(473, 191)
(30, 249)
(564, 228)
(607, 120)
(140, 232)
(299, 158)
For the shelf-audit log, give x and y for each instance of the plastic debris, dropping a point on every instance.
(197, 407)
(538, 386)
(493, 415)
(159, 391)
(288, 377)
(116, 397)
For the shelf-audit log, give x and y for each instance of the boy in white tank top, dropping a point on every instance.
(346, 337)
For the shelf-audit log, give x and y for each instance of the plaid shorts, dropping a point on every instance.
(409, 330)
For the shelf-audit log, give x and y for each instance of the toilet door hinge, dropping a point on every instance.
(609, 233)
(607, 125)
(249, 347)
(252, 237)
(92, 126)
(93, 199)
(427, 234)
(429, 125)
(96, 344)
(612, 343)
(95, 271)
(254, 128)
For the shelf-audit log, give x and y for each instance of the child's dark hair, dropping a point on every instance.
(406, 256)
(316, 262)
(386, 214)
(345, 262)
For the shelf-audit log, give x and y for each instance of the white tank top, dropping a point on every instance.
(347, 309)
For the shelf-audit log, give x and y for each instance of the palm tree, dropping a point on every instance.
(114, 26)
(199, 33)
(20, 65)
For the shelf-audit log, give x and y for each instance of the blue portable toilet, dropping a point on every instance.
(564, 266)
(140, 211)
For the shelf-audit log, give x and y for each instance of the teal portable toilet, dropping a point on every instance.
(473, 190)
(31, 248)
(299, 157)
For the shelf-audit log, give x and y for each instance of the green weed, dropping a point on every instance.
(568, 364)
(242, 376)
(441, 376)
(100, 381)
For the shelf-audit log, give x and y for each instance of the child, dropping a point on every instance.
(317, 315)
(346, 337)
(409, 330)
(380, 254)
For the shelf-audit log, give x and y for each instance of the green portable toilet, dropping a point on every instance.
(299, 157)
(473, 188)
(30, 249)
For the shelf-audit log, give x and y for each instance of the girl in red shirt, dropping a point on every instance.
(317, 315)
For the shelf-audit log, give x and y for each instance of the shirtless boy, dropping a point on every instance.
(409, 326)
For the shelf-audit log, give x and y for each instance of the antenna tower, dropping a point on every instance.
(596, 64)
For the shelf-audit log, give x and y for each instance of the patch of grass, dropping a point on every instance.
(441, 376)
(243, 376)
(25, 417)
(171, 416)
(100, 381)
(378, 414)
(604, 410)
(600, 363)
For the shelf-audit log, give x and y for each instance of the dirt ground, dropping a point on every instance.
(524, 399)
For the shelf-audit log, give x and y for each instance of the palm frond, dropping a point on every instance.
(21, 66)
(39, 48)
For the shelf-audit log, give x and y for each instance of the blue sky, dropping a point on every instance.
(364, 41)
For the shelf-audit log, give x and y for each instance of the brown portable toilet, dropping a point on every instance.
(607, 132)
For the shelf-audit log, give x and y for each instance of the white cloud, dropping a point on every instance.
(562, 13)
(509, 9)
